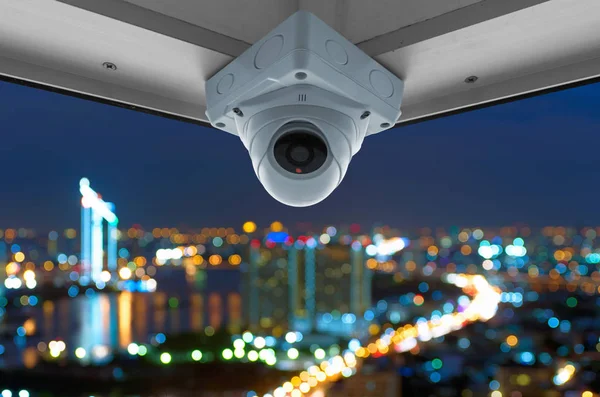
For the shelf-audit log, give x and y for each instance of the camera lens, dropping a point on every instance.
(300, 150)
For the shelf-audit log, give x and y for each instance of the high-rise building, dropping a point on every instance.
(294, 285)
(265, 287)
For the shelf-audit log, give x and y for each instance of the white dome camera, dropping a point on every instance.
(302, 100)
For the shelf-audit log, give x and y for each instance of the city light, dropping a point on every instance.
(293, 353)
(564, 374)
(80, 353)
(196, 355)
(165, 358)
(133, 349)
(482, 307)
(249, 227)
(308, 299)
(227, 354)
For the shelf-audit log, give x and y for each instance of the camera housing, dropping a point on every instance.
(302, 100)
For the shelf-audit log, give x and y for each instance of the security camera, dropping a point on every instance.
(302, 100)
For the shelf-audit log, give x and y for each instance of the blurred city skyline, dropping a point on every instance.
(521, 162)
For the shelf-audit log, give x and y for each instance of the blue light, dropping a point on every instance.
(15, 248)
(74, 276)
(395, 317)
(354, 345)
(423, 287)
(494, 385)
(593, 258)
(579, 348)
(1, 350)
(278, 237)
(33, 300)
(527, 358)
(118, 373)
(553, 322)
(73, 291)
(348, 318)
(464, 343)
(62, 258)
(369, 316)
(545, 358)
(435, 377)
(21, 331)
(90, 292)
(161, 338)
(123, 253)
(517, 297)
(217, 241)
(532, 296)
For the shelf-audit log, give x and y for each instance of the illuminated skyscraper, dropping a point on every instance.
(357, 304)
(111, 243)
(294, 297)
(310, 286)
(266, 288)
(93, 212)
(294, 285)
(86, 241)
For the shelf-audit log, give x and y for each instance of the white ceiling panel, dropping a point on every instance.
(66, 47)
(538, 47)
(165, 50)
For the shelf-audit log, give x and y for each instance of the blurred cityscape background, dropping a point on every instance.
(280, 310)
(171, 273)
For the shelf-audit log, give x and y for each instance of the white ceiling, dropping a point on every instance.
(63, 46)
(518, 46)
(357, 20)
(165, 50)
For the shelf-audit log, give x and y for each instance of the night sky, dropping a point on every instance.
(533, 161)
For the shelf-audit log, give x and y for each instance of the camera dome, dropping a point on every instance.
(300, 154)
(300, 149)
